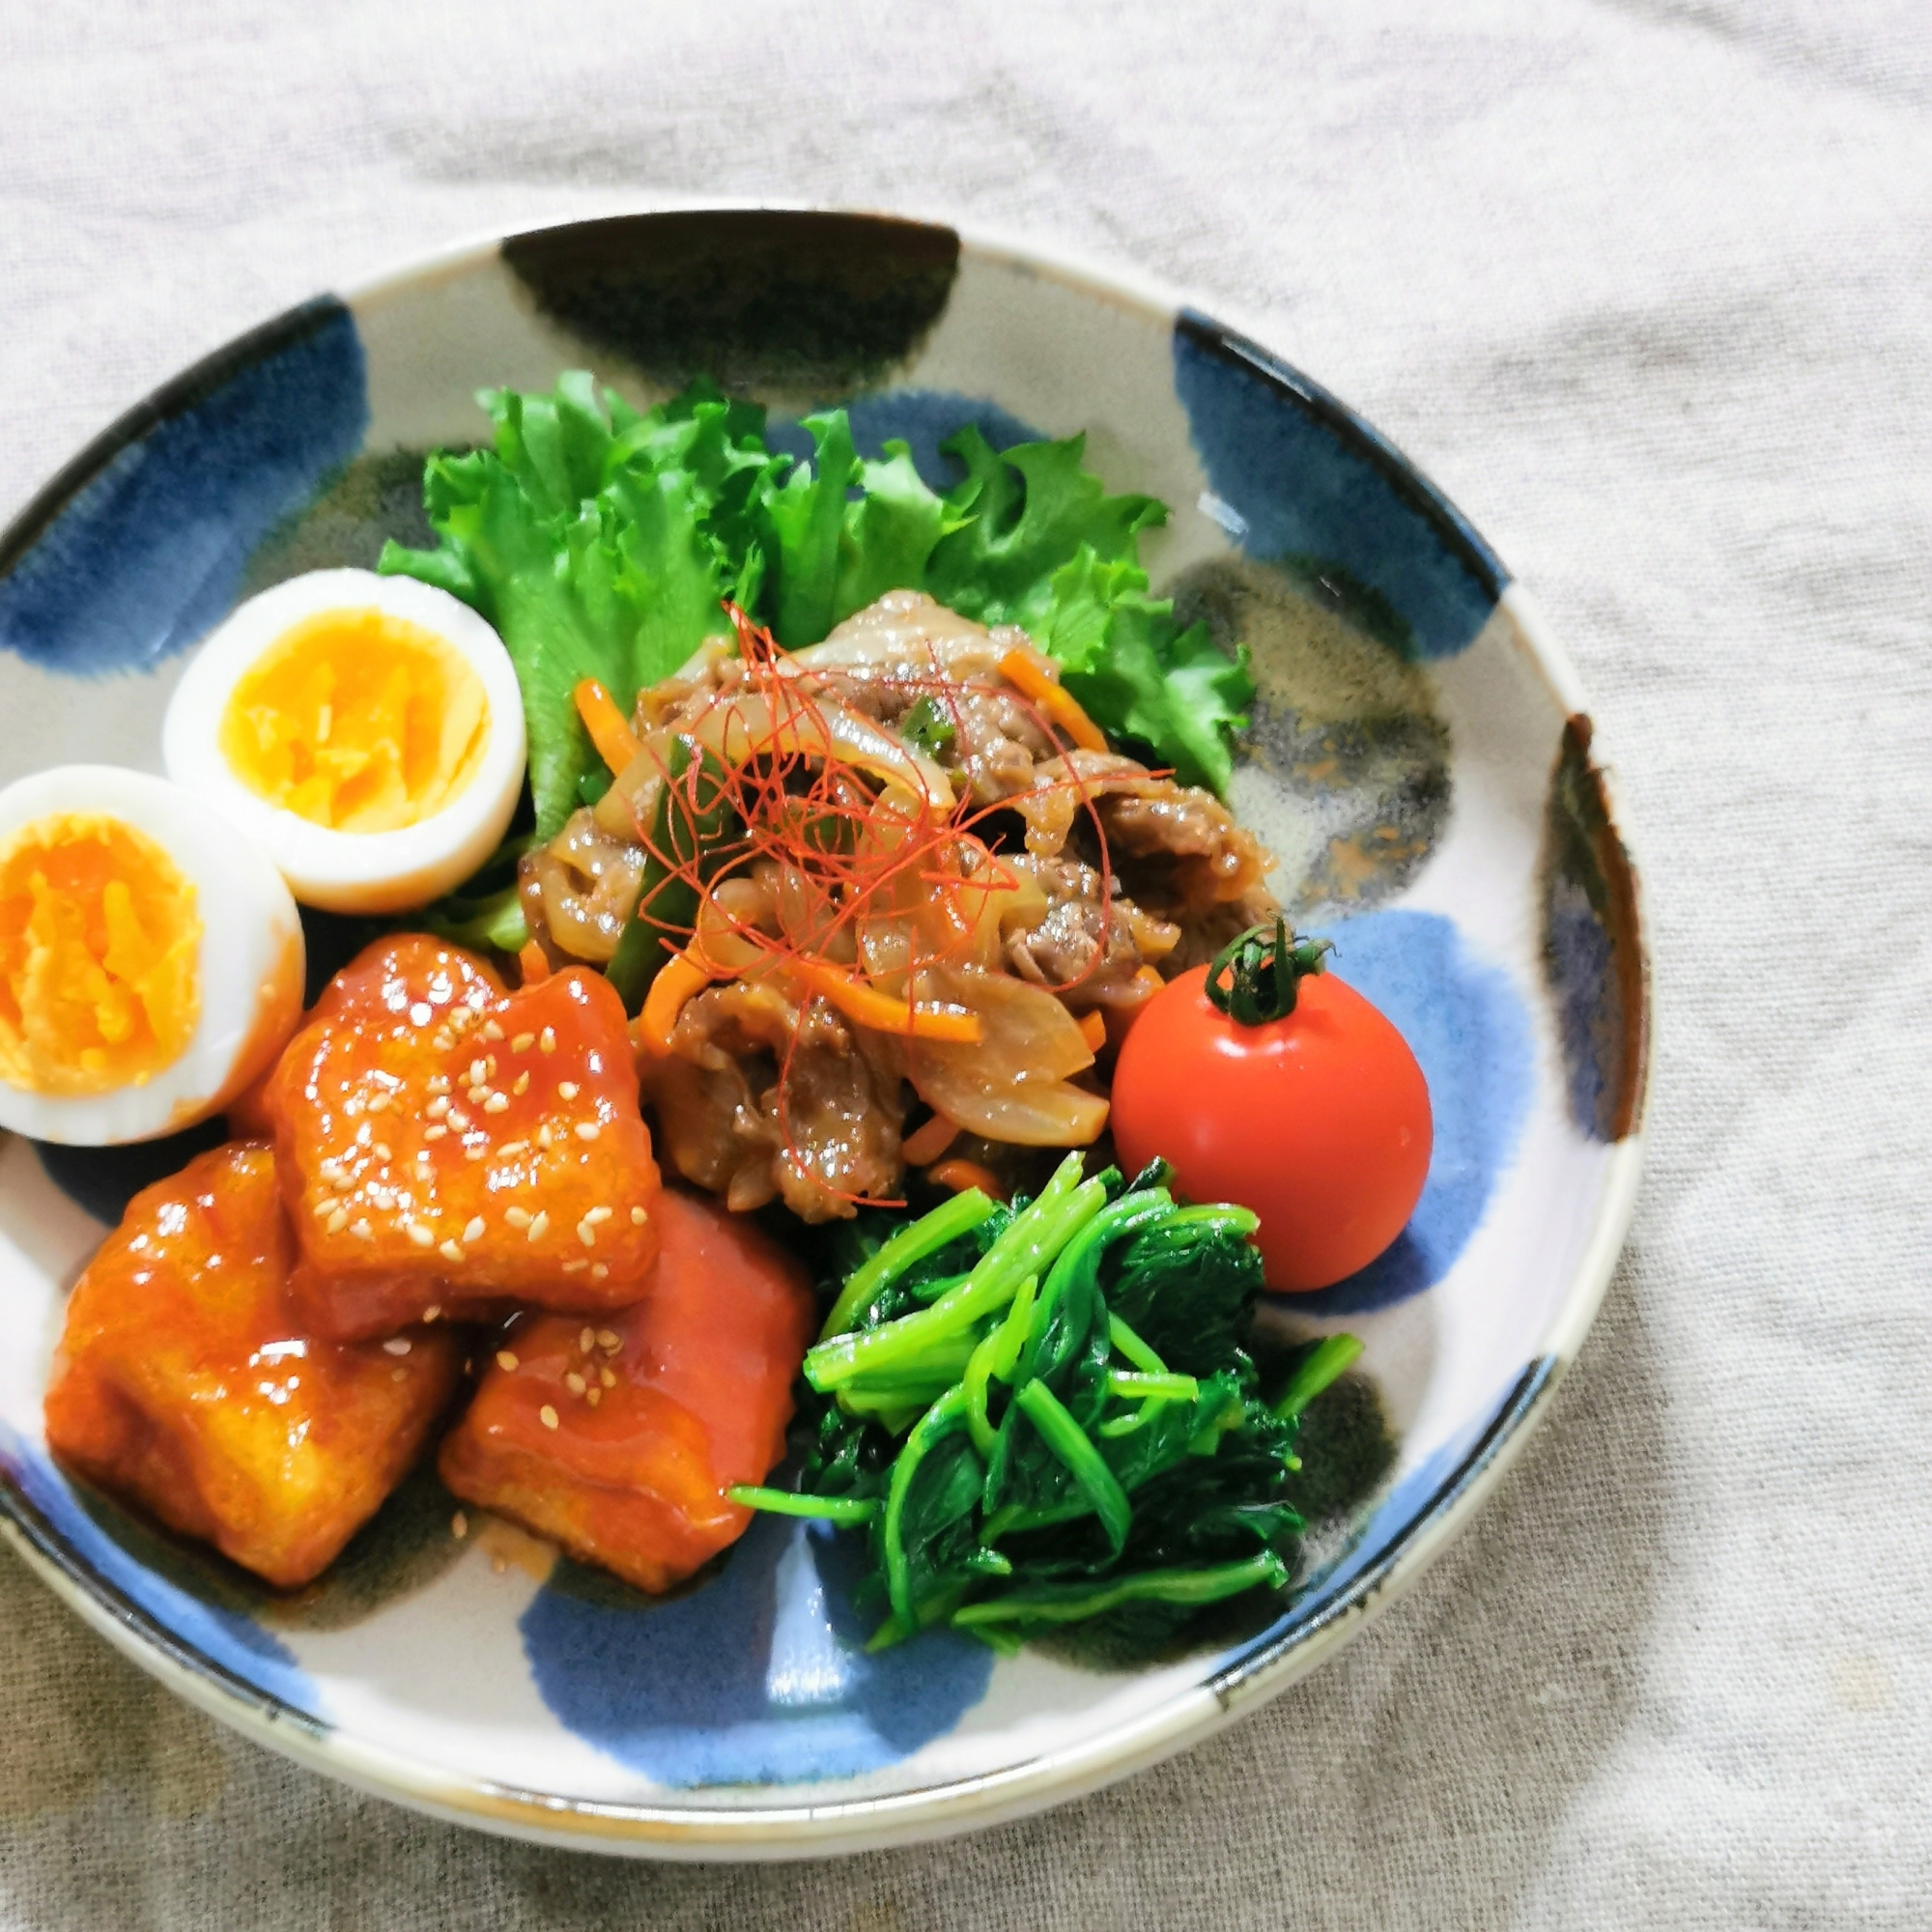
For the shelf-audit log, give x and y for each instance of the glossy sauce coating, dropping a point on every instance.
(619, 1438)
(447, 1147)
(185, 1381)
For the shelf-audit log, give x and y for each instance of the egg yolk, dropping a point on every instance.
(100, 950)
(357, 721)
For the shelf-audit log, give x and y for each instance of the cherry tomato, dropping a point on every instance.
(1318, 1121)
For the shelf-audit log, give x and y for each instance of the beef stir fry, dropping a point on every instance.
(891, 880)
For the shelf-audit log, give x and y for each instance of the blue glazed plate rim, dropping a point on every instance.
(779, 1830)
(171, 398)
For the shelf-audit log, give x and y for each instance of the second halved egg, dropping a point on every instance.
(367, 731)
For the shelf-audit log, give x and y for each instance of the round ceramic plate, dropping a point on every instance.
(1420, 762)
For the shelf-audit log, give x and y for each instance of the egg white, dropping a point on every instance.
(353, 872)
(249, 973)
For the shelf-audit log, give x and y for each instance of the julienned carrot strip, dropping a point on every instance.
(960, 1174)
(924, 1145)
(677, 979)
(532, 963)
(1093, 1030)
(1021, 669)
(609, 730)
(681, 977)
(881, 1012)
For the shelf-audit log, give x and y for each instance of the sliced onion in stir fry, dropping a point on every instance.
(1013, 1085)
(742, 726)
(632, 802)
(589, 882)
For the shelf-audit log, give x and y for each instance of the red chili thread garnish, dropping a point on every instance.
(852, 858)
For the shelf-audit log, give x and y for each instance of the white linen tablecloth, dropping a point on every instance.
(1648, 288)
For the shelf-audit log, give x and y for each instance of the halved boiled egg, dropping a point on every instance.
(150, 962)
(367, 731)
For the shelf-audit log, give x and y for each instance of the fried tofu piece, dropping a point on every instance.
(185, 1382)
(618, 1439)
(448, 1147)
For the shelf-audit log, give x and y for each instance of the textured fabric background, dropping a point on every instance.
(1648, 288)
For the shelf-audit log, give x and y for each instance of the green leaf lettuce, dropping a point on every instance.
(601, 541)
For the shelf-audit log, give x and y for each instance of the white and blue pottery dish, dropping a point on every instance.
(1420, 762)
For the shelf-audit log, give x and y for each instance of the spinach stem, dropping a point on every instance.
(1014, 1330)
(1154, 1387)
(912, 1243)
(1213, 1218)
(937, 1421)
(843, 1510)
(931, 1291)
(1084, 1463)
(1033, 1236)
(979, 1370)
(1016, 1515)
(1067, 1604)
(996, 1355)
(1079, 1265)
(1328, 1360)
(1126, 1342)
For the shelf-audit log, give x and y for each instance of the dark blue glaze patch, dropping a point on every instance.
(758, 1676)
(1467, 1026)
(1592, 950)
(812, 303)
(1431, 1484)
(226, 1639)
(139, 546)
(922, 419)
(1342, 722)
(1395, 1515)
(1328, 498)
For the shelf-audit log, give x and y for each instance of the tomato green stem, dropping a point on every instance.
(1257, 977)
